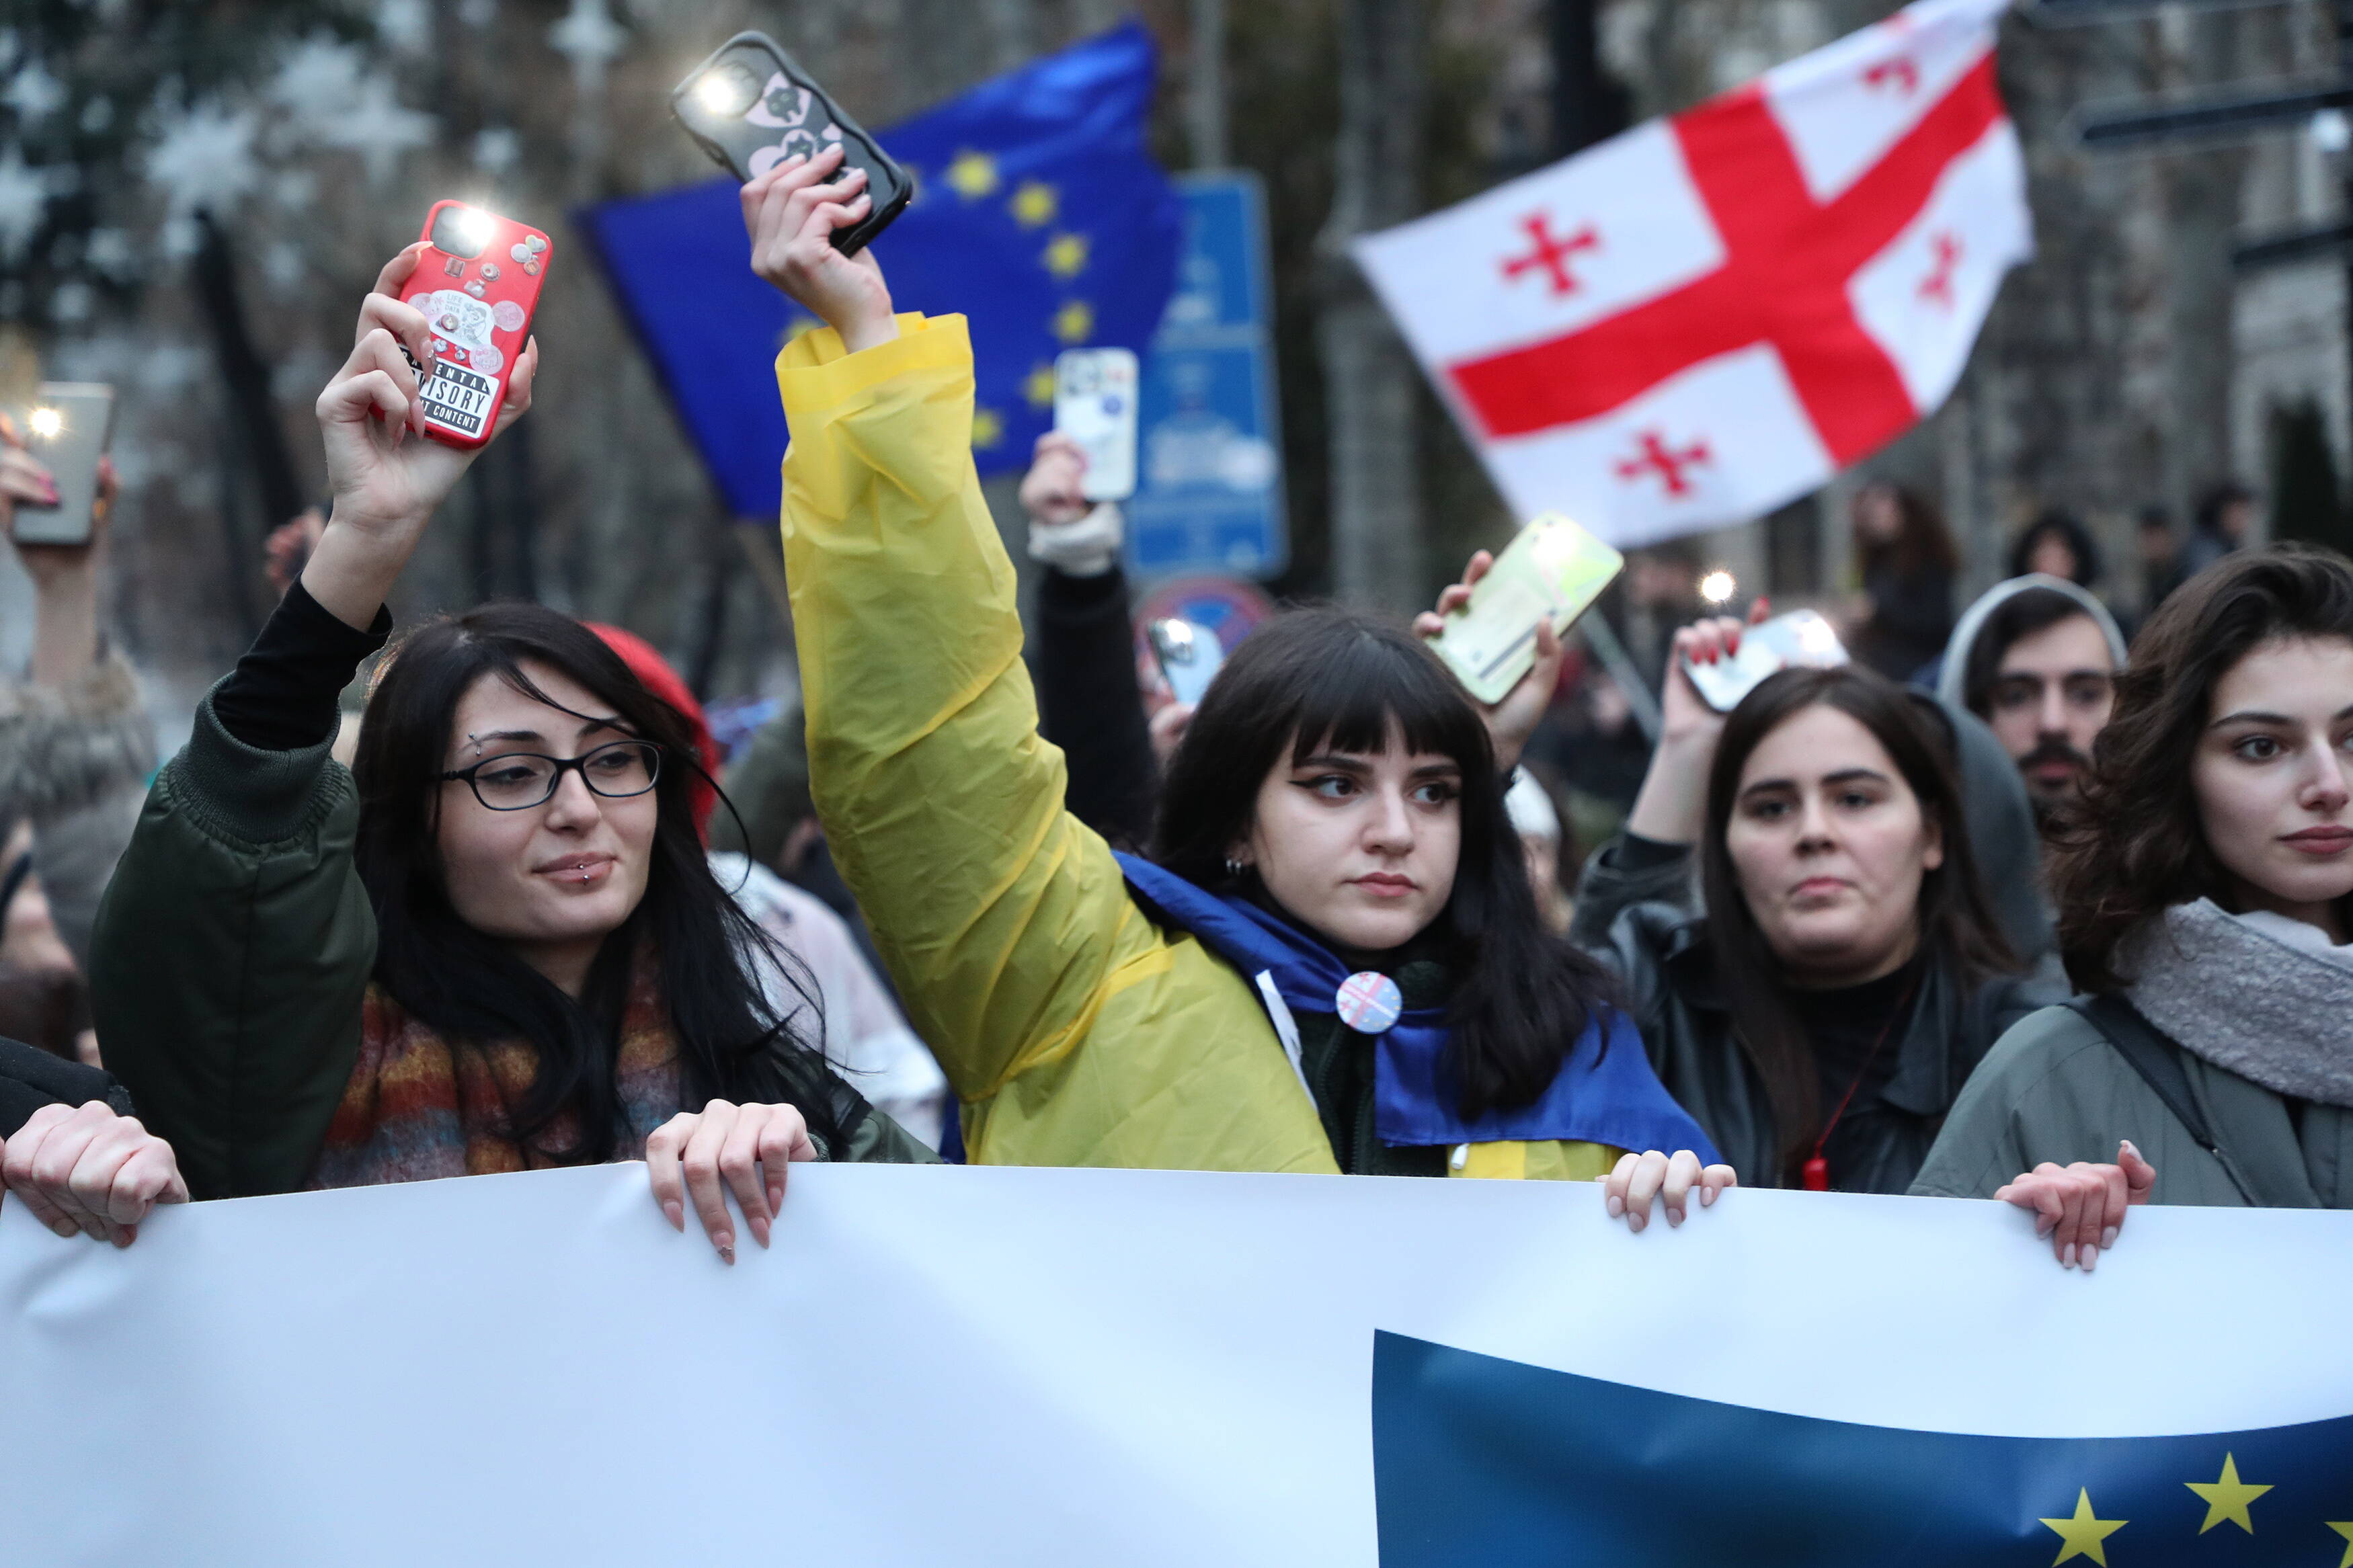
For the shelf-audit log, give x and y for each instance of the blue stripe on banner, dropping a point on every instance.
(1483, 1462)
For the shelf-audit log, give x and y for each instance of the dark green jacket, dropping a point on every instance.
(232, 952)
(2054, 1088)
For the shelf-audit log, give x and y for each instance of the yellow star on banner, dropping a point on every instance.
(1037, 386)
(1066, 255)
(988, 427)
(1035, 203)
(2228, 1497)
(2345, 1529)
(1075, 321)
(974, 175)
(2084, 1534)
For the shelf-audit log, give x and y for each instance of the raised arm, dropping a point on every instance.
(236, 941)
(1001, 918)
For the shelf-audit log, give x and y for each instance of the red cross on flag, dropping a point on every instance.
(1710, 315)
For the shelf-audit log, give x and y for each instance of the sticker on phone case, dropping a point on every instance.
(784, 107)
(457, 316)
(508, 315)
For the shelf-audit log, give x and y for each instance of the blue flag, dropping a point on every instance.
(1479, 1460)
(1038, 212)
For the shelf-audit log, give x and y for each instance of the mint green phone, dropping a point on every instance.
(1552, 571)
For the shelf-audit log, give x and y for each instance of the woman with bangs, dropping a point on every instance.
(1332, 960)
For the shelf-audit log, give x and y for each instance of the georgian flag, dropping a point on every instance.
(1709, 315)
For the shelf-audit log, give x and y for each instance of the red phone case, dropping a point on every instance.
(480, 308)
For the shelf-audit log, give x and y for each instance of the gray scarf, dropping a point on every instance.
(2277, 1015)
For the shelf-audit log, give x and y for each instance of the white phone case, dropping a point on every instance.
(66, 429)
(1094, 404)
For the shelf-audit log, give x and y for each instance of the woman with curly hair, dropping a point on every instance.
(2205, 891)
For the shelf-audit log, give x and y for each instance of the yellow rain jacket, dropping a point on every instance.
(1076, 1031)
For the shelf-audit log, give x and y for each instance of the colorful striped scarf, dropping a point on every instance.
(418, 1109)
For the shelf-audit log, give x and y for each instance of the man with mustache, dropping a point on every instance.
(2036, 659)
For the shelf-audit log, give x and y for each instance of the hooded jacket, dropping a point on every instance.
(1076, 1028)
(1953, 674)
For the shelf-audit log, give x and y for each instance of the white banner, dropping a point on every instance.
(949, 1366)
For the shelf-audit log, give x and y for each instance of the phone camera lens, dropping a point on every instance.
(461, 231)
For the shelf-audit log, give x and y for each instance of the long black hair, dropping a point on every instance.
(1321, 678)
(1957, 924)
(475, 991)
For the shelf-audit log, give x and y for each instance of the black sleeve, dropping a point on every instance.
(1088, 703)
(284, 694)
(30, 1079)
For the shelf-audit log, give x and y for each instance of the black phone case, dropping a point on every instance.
(795, 115)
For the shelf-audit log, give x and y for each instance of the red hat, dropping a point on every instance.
(664, 682)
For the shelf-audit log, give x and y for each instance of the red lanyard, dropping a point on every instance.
(1817, 1173)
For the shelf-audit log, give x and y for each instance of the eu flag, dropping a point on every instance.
(1478, 1460)
(1038, 212)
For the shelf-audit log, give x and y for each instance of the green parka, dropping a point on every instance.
(232, 952)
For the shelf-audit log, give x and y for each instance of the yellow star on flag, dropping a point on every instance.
(2345, 1529)
(1066, 255)
(1075, 321)
(1035, 203)
(2227, 1499)
(1037, 386)
(973, 174)
(2083, 1534)
(988, 427)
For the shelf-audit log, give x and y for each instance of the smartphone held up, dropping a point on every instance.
(1800, 639)
(1094, 405)
(477, 284)
(1550, 572)
(1190, 657)
(66, 428)
(750, 106)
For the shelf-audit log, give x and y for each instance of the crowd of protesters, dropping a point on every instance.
(2006, 909)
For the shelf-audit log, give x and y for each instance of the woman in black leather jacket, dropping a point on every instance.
(1819, 1006)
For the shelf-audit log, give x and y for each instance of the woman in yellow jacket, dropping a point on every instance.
(1335, 963)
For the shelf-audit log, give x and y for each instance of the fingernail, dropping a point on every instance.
(2108, 1237)
(2067, 1255)
(760, 1232)
(727, 1253)
(676, 1215)
(1707, 1197)
(2091, 1257)
(1674, 1216)
(1616, 1207)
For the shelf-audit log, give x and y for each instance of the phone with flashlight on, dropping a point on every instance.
(1800, 638)
(65, 430)
(751, 107)
(477, 285)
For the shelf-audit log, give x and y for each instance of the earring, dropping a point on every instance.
(1234, 869)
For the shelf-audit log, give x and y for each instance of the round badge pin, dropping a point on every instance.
(1369, 1002)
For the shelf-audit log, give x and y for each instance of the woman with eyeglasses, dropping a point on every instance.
(495, 943)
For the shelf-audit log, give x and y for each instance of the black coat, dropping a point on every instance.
(31, 1079)
(1635, 912)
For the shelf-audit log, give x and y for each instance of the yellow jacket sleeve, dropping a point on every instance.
(1004, 920)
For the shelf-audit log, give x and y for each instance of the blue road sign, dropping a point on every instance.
(1210, 491)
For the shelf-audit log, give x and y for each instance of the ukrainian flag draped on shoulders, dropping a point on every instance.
(1076, 1028)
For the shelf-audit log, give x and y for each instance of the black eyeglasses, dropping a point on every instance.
(517, 781)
